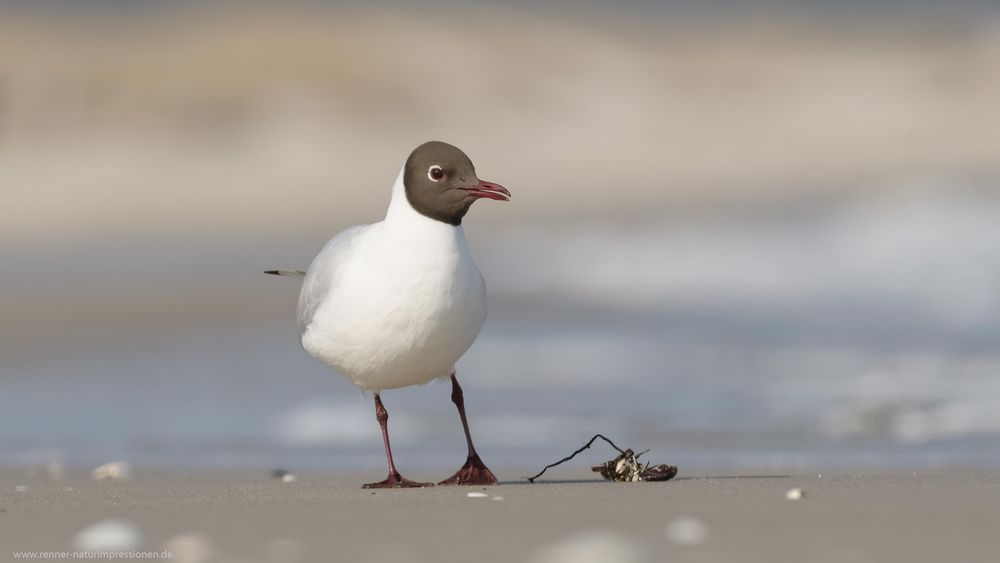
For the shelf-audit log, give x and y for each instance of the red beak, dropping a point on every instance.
(489, 190)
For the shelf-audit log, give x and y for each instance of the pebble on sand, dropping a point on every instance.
(114, 471)
(687, 530)
(284, 475)
(794, 494)
(108, 535)
(477, 494)
(597, 546)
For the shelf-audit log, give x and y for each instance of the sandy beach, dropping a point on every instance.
(715, 516)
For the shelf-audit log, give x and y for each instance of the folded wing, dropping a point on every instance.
(321, 277)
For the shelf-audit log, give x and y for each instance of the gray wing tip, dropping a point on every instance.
(286, 273)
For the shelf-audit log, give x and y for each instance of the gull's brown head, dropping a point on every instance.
(441, 183)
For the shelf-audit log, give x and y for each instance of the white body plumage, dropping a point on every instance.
(394, 303)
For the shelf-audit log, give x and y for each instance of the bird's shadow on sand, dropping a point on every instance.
(524, 481)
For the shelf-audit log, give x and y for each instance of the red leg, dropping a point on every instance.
(474, 472)
(394, 480)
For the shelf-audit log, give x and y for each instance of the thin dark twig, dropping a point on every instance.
(572, 455)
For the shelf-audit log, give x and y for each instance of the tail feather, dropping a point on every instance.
(287, 273)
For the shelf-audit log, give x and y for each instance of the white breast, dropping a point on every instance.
(406, 304)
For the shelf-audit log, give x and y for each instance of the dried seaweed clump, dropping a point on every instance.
(625, 468)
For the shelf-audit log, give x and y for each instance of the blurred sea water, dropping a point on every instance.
(763, 243)
(857, 334)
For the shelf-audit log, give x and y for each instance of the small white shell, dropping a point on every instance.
(288, 478)
(794, 494)
(687, 530)
(108, 535)
(476, 494)
(114, 471)
(596, 546)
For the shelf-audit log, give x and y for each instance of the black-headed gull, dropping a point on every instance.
(398, 302)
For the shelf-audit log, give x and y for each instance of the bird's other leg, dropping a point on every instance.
(394, 480)
(474, 472)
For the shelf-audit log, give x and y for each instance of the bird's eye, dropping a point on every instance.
(435, 173)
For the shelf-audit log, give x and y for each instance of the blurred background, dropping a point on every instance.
(759, 235)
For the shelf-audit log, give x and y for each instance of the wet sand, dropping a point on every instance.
(720, 516)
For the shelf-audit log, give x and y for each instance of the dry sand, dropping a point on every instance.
(725, 516)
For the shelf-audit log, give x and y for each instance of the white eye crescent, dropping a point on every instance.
(435, 173)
